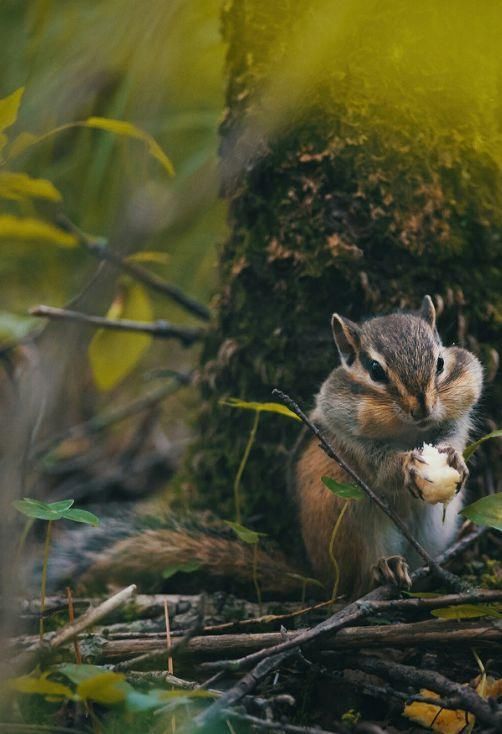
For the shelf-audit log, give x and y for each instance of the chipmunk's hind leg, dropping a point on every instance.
(392, 570)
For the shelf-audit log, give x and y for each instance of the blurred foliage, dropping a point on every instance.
(159, 67)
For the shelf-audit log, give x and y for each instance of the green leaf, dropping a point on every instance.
(486, 511)
(79, 672)
(188, 567)
(307, 580)
(60, 506)
(467, 611)
(121, 127)
(105, 687)
(31, 229)
(81, 516)
(347, 491)
(260, 407)
(20, 186)
(41, 686)
(9, 108)
(36, 509)
(474, 446)
(251, 537)
(113, 354)
(149, 256)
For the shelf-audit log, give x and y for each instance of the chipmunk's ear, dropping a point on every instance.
(428, 312)
(347, 337)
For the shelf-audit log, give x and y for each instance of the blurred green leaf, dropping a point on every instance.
(78, 672)
(13, 326)
(41, 686)
(347, 491)
(466, 611)
(474, 446)
(78, 515)
(37, 509)
(188, 567)
(486, 511)
(19, 186)
(259, 407)
(149, 256)
(9, 108)
(114, 354)
(30, 229)
(105, 687)
(245, 534)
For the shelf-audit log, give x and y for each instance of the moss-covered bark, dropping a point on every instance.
(339, 206)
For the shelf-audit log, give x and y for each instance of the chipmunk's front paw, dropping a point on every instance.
(414, 474)
(456, 461)
(392, 570)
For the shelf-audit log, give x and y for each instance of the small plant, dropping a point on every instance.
(258, 408)
(50, 511)
(349, 492)
(251, 537)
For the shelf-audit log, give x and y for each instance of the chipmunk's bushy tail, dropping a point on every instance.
(139, 549)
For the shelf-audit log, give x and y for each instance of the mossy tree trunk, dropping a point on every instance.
(339, 204)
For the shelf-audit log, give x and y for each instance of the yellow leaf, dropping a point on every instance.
(121, 127)
(42, 686)
(30, 229)
(9, 107)
(433, 717)
(260, 407)
(107, 687)
(113, 354)
(149, 256)
(19, 186)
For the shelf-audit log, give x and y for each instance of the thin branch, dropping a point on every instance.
(268, 725)
(102, 252)
(160, 328)
(447, 578)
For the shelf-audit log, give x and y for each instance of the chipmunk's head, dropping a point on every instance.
(400, 377)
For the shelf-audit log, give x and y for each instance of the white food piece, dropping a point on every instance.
(443, 478)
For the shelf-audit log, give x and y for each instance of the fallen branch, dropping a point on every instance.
(449, 579)
(160, 328)
(408, 675)
(269, 725)
(102, 252)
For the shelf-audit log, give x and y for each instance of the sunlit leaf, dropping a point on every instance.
(78, 515)
(114, 354)
(121, 127)
(188, 567)
(444, 721)
(9, 108)
(466, 611)
(245, 534)
(19, 186)
(260, 407)
(149, 256)
(41, 686)
(347, 491)
(30, 229)
(486, 511)
(474, 446)
(105, 687)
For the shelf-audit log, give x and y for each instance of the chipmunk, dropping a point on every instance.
(396, 388)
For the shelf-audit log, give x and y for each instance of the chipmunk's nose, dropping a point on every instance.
(420, 410)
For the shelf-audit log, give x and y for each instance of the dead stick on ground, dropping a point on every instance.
(160, 328)
(447, 578)
(410, 676)
(279, 725)
(269, 660)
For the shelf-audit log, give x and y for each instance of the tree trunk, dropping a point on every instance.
(358, 180)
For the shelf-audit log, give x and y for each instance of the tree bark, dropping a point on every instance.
(338, 201)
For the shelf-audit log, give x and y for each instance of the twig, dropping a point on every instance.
(103, 252)
(71, 615)
(480, 596)
(160, 328)
(170, 667)
(408, 675)
(269, 660)
(447, 578)
(279, 725)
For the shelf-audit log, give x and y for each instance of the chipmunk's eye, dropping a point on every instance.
(377, 372)
(440, 365)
